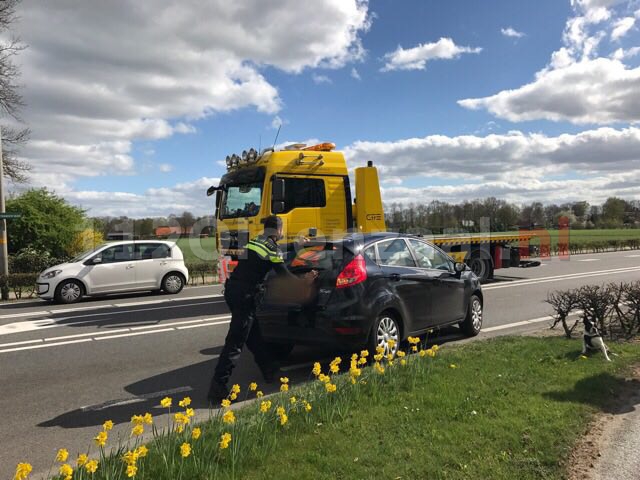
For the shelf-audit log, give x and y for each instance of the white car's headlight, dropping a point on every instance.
(51, 274)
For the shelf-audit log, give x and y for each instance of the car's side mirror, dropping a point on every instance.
(277, 190)
(96, 260)
(459, 268)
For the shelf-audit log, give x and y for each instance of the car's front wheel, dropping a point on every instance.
(173, 283)
(69, 291)
(385, 328)
(472, 323)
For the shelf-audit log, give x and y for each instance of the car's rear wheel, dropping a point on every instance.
(472, 323)
(69, 291)
(173, 283)
(280, 351)
(385, 328)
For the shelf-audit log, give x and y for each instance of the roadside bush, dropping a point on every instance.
(614, 308)
(30, 260)
(21, 284)
(200, 270)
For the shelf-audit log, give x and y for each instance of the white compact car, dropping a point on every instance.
(116, 267)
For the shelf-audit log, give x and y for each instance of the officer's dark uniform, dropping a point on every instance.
(262, 256)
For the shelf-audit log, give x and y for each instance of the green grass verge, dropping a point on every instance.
(198, 249)
(497, 409)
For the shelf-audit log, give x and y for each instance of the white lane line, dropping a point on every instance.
(122, 332)
(148, 332)
(45, 345)
(590, 260)
(546, 318)
(110, 305)
(139, 398)
(632, 256)
(558, 278)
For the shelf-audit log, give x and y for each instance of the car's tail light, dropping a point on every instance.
(355, 272)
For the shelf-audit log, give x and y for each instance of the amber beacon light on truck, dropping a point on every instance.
(309, 187)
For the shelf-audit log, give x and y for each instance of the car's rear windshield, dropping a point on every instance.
(327, 257)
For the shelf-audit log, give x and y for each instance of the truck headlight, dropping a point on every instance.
(51, 274)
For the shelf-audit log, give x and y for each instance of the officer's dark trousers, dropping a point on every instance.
(243, 329)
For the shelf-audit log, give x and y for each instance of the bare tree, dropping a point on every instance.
(11, 100)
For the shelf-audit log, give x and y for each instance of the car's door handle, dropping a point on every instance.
(129, 266)
(163, 263)
(395, 277)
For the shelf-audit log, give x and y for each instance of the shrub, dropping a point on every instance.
(201, 270)
(30, 260)
(19, 283)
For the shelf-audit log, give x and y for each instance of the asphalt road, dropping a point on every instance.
(66, 369)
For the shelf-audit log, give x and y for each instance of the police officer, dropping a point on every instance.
(262, 256)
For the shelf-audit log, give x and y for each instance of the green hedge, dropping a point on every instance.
(21, 284)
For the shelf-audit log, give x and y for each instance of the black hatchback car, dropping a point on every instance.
(371, 288)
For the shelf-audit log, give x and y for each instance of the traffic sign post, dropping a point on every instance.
(4, 255)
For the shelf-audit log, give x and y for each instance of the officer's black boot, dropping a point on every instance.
(271, 373)
(217, 393)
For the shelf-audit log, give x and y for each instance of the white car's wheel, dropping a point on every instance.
(173, 283)
(69, 291)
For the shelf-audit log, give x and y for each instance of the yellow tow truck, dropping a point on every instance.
(310, 189)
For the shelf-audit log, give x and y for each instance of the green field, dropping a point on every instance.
(198, 249)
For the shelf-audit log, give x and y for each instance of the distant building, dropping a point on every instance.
(113, 236)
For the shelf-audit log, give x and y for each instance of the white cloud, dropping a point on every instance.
(416, 58)
(622, 27)
(579, 85)
(321, 79)
(598, 91)
(130, 71)
(355, 74)
(278, 122)
(165, 167)
(511, 32)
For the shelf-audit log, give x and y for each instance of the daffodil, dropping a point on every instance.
(391, 342)
(284, 387)
(142, 451)
(378, 357)
(324, 378)
(228, 417)
(330, 387)
(137, 431)
(195, 433)
(62, 455)
(235, 388)
(307, 406)
(91, 466)
(165, 403)
(225, 440)
(233, 396)
(414, 348)
(65, 470)
(185, 402)
(317, 369)
(101, 439)
(265, 406)
(131, 471)
(453, 365)
(253, 386)
(190, 412)
(378, 368)
(422, 353)
(334, 368)
(147, 418)
(284, 380)
(400, 354)
(413, 340)
(181, 418)
(283, 419)
(22, 471)
(108, 425)
(137, 419)
(185, 450)
(82, 459)
(403, 362)
(362, 361)
(226, 403)
(364, 353)
(259, 394)
(131, 457)
(293, 400)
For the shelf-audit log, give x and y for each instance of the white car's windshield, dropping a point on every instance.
(84, 255)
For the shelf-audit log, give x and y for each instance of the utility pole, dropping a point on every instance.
(4, 256)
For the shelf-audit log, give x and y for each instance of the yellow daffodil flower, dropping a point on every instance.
(91, 466)
(185, 450)
(62, 455)
(226, 403)
(82, 459)
(317, 369)
(108, 425)
(165, 402)
(189, 412)
(293, 400)
(22, 471)
(259, 394)
(195, 434)
(453, 365)
(307, 406)
(131, 457)
(333, 368)
(137, 431)
(330, 387)
(185, 402)
(253, 386)
(284, 387)
(65, 470)
(101, 439)
(131, 471)
(284, 380)
(235, 389)
(265, 406)
(142, 451)
(283, 419)
(228, 417)
(225, 440)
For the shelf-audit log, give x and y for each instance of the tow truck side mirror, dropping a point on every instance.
(277, 196)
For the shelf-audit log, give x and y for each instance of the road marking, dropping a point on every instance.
(137, 399)
(546, 318)
(45, 345)
(558, 278)
(110, 305)
(590, 260)
(632, 256)
(121, 333)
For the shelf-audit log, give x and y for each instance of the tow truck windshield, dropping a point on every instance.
(241, 200)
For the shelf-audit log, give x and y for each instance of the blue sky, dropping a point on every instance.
(138, 107)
